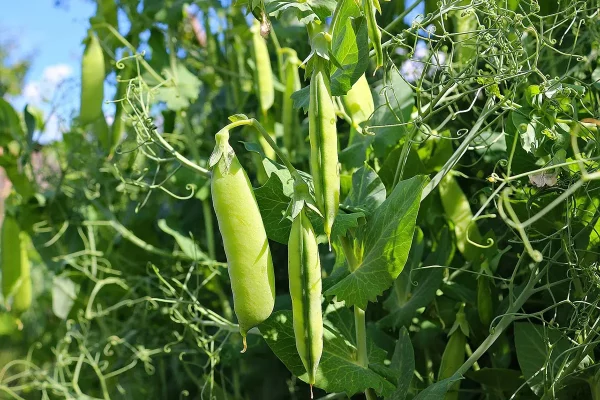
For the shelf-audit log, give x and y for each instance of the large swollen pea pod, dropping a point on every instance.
(244, 238)
(92, 81)
(358, 102)
(16, 278)
(264, 73)
(304, 270)
(323, 145)
(291, 135)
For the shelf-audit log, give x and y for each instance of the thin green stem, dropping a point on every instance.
(359, 317)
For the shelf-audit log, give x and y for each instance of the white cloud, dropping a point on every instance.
(55, 74)
(32, 92)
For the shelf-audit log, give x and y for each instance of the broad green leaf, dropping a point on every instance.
(343, 222)
(413, 166)
(340, 319)
(34, 120)
(385, 242)
(438, 390)
(64, 294)
(186, 243)
(338, 369)
(10, 123)
(181, 90)
(506, 380)
(306, 11)
(415, 288)
(403, 364)
(302, 98)
(367, 192)
(355, 154)
(351, 48)
(541, 353)
(273, 199)
(344, 11)
(393, 106)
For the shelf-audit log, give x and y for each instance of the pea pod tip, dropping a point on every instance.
(245, 345)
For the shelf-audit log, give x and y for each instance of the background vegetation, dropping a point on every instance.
(489, 107)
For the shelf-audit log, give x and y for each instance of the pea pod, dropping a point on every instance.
(289, 115)
(92, 81)
(304, 270)
(16, 278)
(118, 125)
(264, 73)
(484, 300)
(369, 8)
(323, 145)
(454, 353)
(244, 238)
(358, 102)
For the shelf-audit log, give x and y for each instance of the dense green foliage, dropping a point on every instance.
(462, 263)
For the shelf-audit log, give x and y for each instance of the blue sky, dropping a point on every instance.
(53, 36)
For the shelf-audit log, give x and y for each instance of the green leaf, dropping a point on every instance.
(182, 90)
(416, 288)
(506, 380)
(386, 240)
(526, 127)
(302, 98)
(351, 48)
(34, 120)
(393, 105)
(306, 11)
(64, 294)
(10, 123)
(540, 352)
(159, 56)
(355, 154)
(338, 370)
(438, 390)
(368, 192)
(413, 166)
(187, 244)
(403, 364)
(343, 222)
(273, 198)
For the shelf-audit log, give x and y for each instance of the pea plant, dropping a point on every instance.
(311, 199)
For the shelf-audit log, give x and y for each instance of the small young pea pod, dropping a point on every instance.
(16, 278)
(454, 354)
(264, 74)
(485, 307)
(244, 238)
(358, 102)
(118, 125)
(92, 81)
(304, 270)
(323, 145)
(369, 8)
(292, 140)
